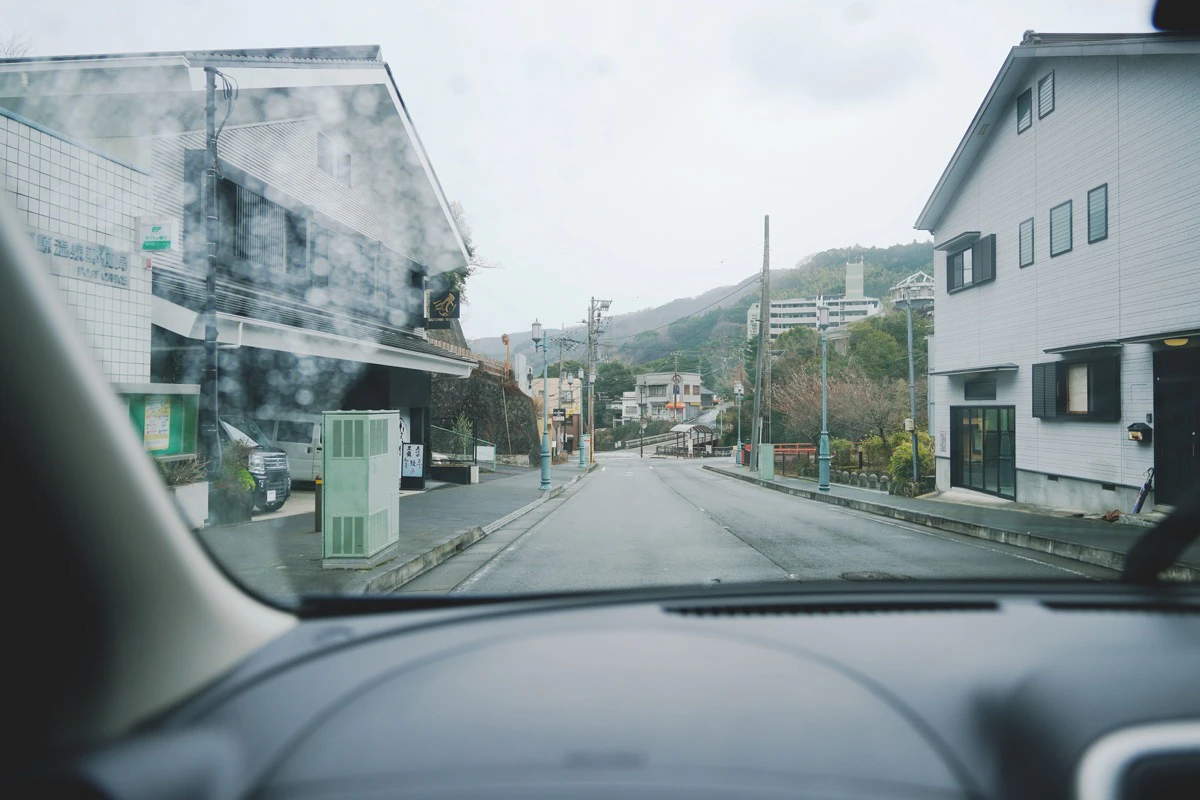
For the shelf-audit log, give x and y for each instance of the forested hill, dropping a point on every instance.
(714, 339)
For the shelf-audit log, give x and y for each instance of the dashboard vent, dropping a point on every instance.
(826, 608)
(1123, 606)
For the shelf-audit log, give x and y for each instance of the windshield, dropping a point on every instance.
(245, 430)
(567, 297)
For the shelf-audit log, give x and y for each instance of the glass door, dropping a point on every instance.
(983, 449)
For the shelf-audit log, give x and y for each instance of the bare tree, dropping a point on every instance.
(15, 46)
(876, 407)
(798, 397)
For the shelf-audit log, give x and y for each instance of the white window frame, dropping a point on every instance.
(337, 152)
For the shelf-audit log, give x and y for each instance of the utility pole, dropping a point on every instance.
(591, 360)
(210, 438)
(764, 322)
(562, 441)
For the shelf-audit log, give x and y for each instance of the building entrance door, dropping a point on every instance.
(983, 449)
(1177, 424)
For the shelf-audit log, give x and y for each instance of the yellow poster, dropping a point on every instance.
(156, 434)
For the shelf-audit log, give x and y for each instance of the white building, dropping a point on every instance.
(626, 409)
(332, 223)
(81, 209)
(802, 311)
(1068, 283)
(667, 399)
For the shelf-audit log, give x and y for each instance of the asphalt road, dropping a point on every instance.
(652, 522)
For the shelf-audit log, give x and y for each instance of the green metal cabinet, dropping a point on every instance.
(360, 515)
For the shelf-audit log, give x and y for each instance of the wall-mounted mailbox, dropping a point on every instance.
(1140, 432)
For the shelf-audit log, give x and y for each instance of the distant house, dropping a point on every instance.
(1068, 284)
(666, 399)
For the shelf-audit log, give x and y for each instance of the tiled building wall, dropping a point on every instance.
(82, 211)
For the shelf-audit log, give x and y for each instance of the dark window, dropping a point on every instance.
(1026, 242)
(296, 432)
(256, 233)
(981, 388)
(1024, 110)
(1097, 200)
(1045, 390)
(344, 168)
(1046, 95)
(1060, 229)
(1078, 389)
(975, 265)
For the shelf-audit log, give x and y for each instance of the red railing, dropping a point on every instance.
(796, 449)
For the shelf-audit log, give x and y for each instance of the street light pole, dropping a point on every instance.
(538, 342)
(823, 457)
(591, 417)
(912, 386)
(582, 416)
(642, 425)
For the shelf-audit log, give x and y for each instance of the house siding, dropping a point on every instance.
(1128, 122)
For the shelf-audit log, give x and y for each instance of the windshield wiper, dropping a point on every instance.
(1162, 546)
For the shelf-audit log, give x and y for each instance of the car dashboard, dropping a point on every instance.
(994, 692)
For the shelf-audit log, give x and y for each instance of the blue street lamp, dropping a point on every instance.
(823, 457)
(582, 416)
(537, 343)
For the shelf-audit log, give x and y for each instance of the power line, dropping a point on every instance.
(745, 284)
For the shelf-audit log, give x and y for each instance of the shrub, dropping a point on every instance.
(842, 451)
(234, 477)
(900, 467)
(183, 471)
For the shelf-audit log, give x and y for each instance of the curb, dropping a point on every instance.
(1087, 554)
(397, 575)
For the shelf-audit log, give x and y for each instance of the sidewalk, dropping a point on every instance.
(1090, 541)
(280, 556)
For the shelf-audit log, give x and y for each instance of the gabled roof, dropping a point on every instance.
(159, 74)
(916, 279)
(292, 56)
(1012, 78)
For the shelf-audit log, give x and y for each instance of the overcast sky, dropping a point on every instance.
(628, 149)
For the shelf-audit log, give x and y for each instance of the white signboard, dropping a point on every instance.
(157, 234)
(412, 461)
(156, 431)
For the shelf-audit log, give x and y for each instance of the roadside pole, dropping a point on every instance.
(912, 387)
(764, 322)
